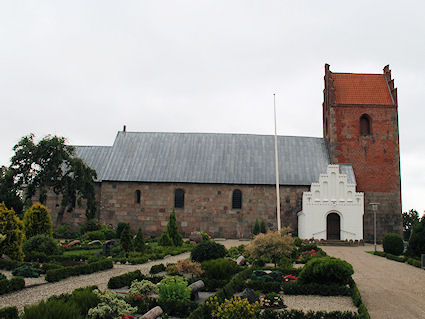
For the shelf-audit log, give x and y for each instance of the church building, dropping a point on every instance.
(221, 183)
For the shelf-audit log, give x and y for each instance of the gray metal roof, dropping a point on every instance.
(94, 156)
(348, 170)
(208, 158)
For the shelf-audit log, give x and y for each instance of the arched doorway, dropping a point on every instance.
(333, 227)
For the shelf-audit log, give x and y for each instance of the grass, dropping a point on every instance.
(81, 251)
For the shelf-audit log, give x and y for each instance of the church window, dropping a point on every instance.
(237, 199)
(138, 196)
(179, 198)
(365, 125)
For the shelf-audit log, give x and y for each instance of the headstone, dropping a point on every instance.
(195, 288)
(107, 246)
(249, 295)
(423, 260)
(95, 242)
(74, 243)
(153, 313)
(196, 237)
(240, 261)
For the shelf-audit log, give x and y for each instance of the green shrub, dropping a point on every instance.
(142, 288)
(205, 236)
(256, 228)
(173, 231)
(357, 299)
(8, 264)
(14, 284)
(298, 242)
(235, 252)
(37, 221)
(40, 244)
(207, 250)
(174, 295)
(125, 280)
(126, 239)
(9, 313)
(165, 239)
(27, 271)
(416, 245)
(110, 306)
(236, 284)
(218, 271)
(400, 259)
(157, 268)
(414, 262)
(235, 308)
(52, 309)
(65, 272)
(12, 227)
(326, 270)
(94, 235)
(393, 244)
(120, 228)
(298, 314)
(2, 277)
(263, 228)
(139, 241)
(90, 225)
(64, 232)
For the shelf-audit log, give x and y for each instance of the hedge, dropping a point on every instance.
(9, 313)
(414, 262)
(402, 259)
(13, 284)
(54, 275)
(8, 264)
(236, 284)
(298, 314)
(126, 279)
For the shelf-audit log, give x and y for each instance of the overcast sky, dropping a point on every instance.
(83, 69)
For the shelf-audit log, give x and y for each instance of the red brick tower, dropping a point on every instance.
(360, 121)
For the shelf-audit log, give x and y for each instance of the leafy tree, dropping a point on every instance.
(273, 245)
(8, 191)
(12, 227)
(120, 228)
(126, 240)
(256, 229)
(410, 219)
(173, 231)
(50, 164)
(263, 228)
(37, 221)
(139, 241)
(416, 245)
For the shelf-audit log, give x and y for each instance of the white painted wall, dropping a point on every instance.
(332, 194)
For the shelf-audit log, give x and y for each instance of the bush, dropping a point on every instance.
(139, 241)
(173, 231)
(65, 272)
(120, 228)
(207, 250)
(298, 242)
(64, 232)
(40, 244)
(235, 308)
(205, 236)
(9, 313)
(8, 264)
(157, 268)
(52, 309)
(218, 271)
(110, 306)
(142, 288)
(173, 288)
(273, 245)
(126, 240)
(90, 225)
(416, 245)
(14, 284)
(12, 227)
(185, 267)
(263, 228)
(414, 262)
(27, 272)
(126, 279)
(393, 244)
(165, 239)
(2, 277)
(256, 228)
(298, 314)
(37, 221)
(94, 235)
(326, 270)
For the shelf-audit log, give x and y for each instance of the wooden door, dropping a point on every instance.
(333, 227)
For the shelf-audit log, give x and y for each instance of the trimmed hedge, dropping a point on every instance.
(414, 262)
(157, 268)
(393, 244)
(8, 264)
(236, 284)
(207, 250)
(9, 313)
(13, 284)
(54, 275)
(401, 259)
(298, 314)
(326, 270)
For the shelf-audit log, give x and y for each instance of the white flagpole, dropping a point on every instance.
(277, 166)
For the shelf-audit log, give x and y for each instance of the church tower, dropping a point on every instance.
(360, 122)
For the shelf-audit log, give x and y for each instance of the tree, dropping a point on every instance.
(263, 228)
(50, 164)
(416, 245)
(273, 245)
(256, 229)
(12, 227)
(8, 191)
(37, 221)
(139, 241)
(126, 240)
(173, 231)
(410, 219)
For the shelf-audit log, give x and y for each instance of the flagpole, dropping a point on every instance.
(277, 165)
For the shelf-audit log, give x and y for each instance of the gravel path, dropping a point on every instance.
(389, 289)
(319, 303)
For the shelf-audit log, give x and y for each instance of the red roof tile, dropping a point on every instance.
(361, 89)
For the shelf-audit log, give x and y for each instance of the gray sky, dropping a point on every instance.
(82, 69)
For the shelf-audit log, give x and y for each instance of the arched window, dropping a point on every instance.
(179, 198)
(237, 199)
(365, 128)
(138, 196)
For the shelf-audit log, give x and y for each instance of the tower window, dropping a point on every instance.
(237, 199)
(138, 196)
(179, 198)
(365, 125)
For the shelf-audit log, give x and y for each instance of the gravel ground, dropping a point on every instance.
(389, 289)
(321, 303)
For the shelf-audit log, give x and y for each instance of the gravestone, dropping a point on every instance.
(195, 288)
(153, 313)
(249, 295)
(95, 242)
(240, 261)
(107, 246)
(196, 237)
(423, 260)
(74, 243)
